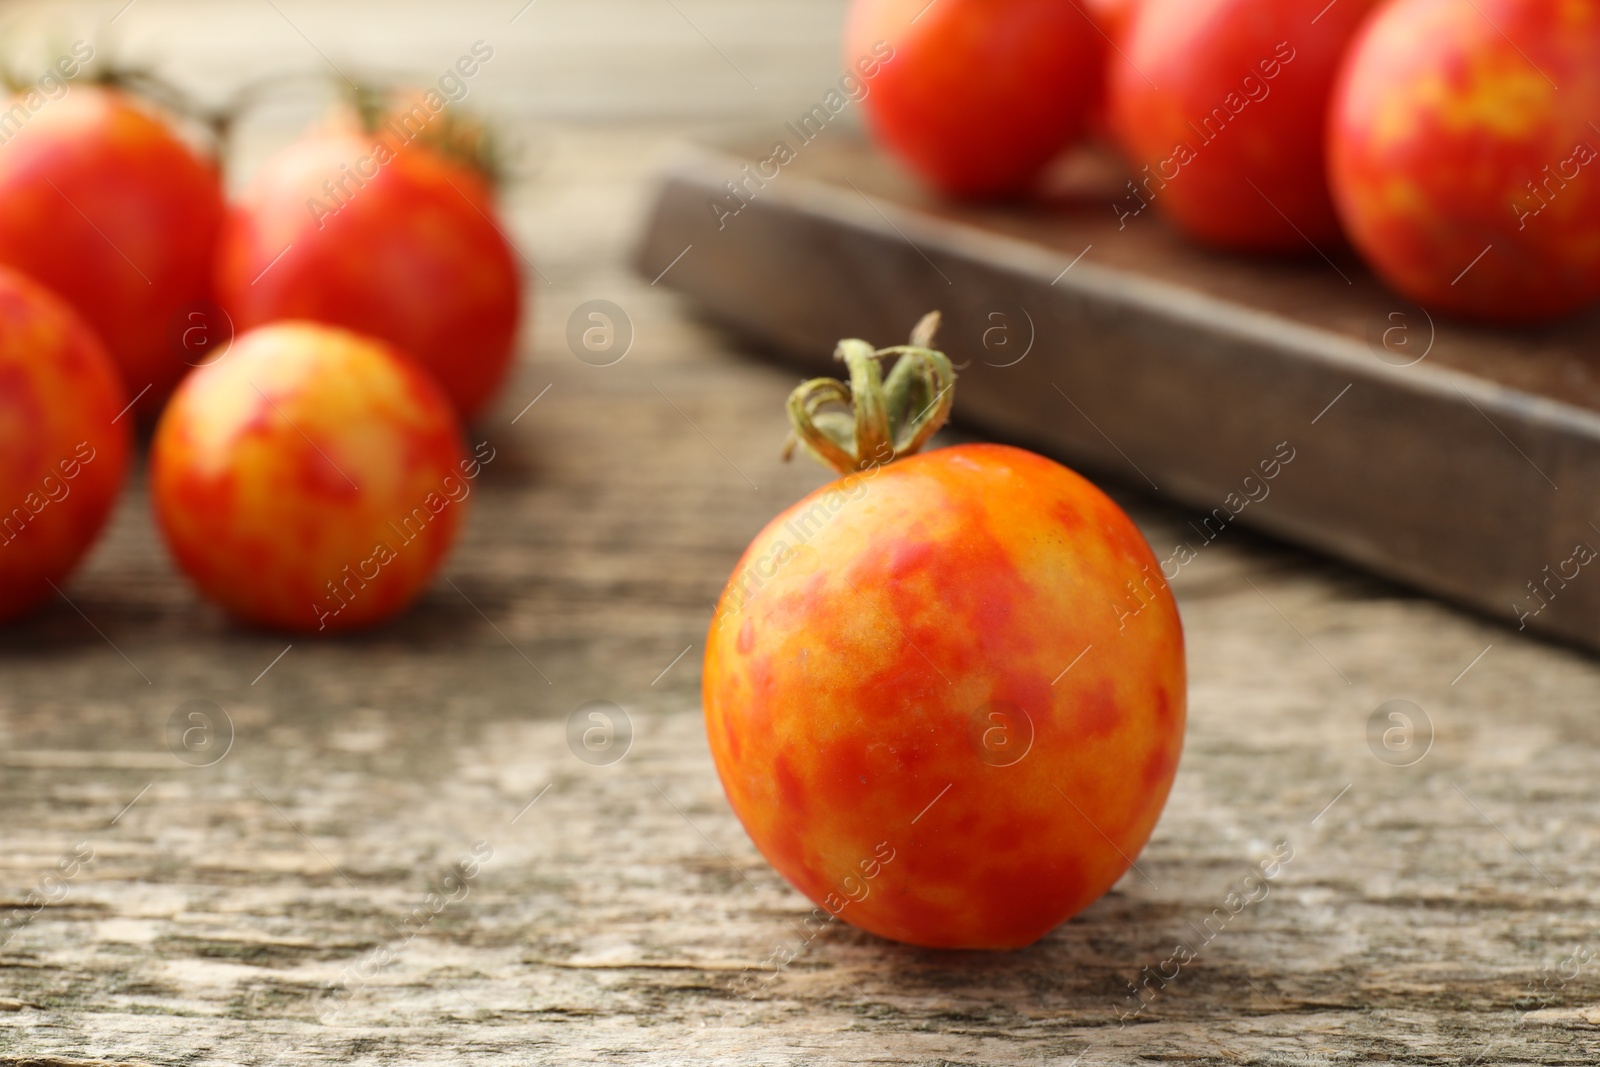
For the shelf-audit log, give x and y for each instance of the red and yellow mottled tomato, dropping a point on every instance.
(975, 96)
(381, 234)
(1220, 106)
(101, 201)
(1464, 158)
(64, 445)
(310, 479)
(946, 695)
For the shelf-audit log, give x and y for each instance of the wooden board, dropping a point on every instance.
(1457, 459)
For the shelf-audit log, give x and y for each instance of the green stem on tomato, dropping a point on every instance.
(891, 417)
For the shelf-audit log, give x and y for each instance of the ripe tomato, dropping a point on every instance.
(975, 96)
(1220, 107)
(946, 695)
(311, 479)
(65, 447)
(1114, 17)
(384, 236)
(1467, 179)
(102, 202)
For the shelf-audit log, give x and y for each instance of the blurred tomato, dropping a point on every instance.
(383, 235)
(64, 447)
(975, 96)
(1114, 17)
(1220, 106)
(102, 202)
(311, 479)
(1468, 179)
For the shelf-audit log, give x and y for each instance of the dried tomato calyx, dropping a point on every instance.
(391, 110)
(890, 418)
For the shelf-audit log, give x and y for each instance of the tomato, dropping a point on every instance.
(1465, 177)
(62, 437)
(311, 479)
(975, 96)
(1220, 107)
(1114, 17)
(102, 202)
(946, 694)
(384, 236)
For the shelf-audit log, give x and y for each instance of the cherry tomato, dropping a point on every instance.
(64, 443)
(1467, 178)
(384, 236)
(1220, 106)
(102, 202)
(946, 695)
(1114, 17)
(975, 96)
(311, 479)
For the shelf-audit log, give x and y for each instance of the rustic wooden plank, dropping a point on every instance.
(617, 916)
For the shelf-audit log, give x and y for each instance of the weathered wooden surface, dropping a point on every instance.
(230, 908)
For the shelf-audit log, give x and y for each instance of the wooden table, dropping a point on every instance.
(273, 906)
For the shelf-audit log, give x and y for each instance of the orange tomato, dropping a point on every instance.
(975, 96)
(946, 695)
(383, 236)
(65, 447)
(311, 479)
(104, 204)
(1466, 177)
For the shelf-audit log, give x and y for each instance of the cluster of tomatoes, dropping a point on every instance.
(308, 354)
(1451, 142)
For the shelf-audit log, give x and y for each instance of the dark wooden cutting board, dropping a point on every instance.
(1459, 459)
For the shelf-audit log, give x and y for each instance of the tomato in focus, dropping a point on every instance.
(946, 694)
(310, 479)
(976, 96)
(64, 439)
(1466, 177)
(385, 237)
(1220, 106)
(102, 202)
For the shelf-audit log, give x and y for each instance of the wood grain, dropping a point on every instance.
(624, 916)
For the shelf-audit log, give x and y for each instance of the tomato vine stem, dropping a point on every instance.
(891, 417)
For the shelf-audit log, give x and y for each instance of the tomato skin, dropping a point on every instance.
(64, 456)
(844, 674)
(1114, 17)
(410, 255)
(1439, 140)
(103, 203)
(1041, 64)
(1217, 95)
(311, 479)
